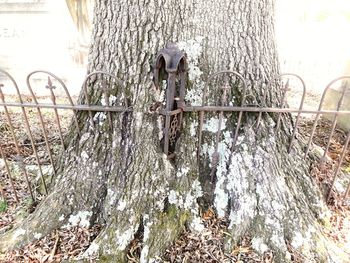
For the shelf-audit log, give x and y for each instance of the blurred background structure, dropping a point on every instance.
(45, 34)
(313, 39)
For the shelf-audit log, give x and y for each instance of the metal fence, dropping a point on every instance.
(173, 108)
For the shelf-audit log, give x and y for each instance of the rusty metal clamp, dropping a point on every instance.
(171, 61)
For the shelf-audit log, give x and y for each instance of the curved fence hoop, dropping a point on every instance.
(2, 154)
(51, 75)
(117, 80)
(85, 90)
(15, 138)
(14, 84)
(53, 99)
(301, 104)
(223, 72)
(52, 93)
(320, 109)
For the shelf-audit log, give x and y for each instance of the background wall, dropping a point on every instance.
(313, 39)
(40, 34)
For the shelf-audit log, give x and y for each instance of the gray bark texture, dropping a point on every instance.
(119, 176)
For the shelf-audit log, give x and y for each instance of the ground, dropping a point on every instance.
(204, 246)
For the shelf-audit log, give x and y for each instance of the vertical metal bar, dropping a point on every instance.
(9, 174)
(2, 192)
(75, 118)
(200, 127)
(34, 148)
(347, 192)
(335, 119)
(53, 99)
(216, 156)
(7, 114)
(88, 100)
(263, 105)
(315, 122)
(240, 114)
(339, 167)
(24, 114)
(298, 116)
(106, 91)
(201, 121)
(166, 134)
(286, 86)
(41, 119)
(169, 106)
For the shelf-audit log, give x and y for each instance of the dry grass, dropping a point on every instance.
(60, 245)
(208, 245)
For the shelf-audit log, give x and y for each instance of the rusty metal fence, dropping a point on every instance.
(173, 108)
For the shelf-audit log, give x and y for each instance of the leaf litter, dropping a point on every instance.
(205, 246)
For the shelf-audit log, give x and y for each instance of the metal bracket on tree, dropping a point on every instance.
(171, 65)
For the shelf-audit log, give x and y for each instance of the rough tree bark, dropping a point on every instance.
(120, 177)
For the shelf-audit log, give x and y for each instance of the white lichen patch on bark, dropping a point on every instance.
(84, 155)
(221, 188)
(172, 197)
(245, 209)
(37, 235)
(212, 125)
(183, 171)
(194, 96)
(259, 245)
(193, 128)
(138, 120)
(144, 254)
(188, 200)
(81, 218)
(125, 237)
(19, 232)
(196, 224)
(122, 205)
(297, 240)
(100, 118)
(147, 228)
(91, 252)
(111, 197)
(112, 99)
(193, 49)
(84, 138)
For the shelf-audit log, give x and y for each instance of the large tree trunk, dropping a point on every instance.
(119, 176)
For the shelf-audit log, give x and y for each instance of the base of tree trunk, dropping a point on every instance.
(264, 191)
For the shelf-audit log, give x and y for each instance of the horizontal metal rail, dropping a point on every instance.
(185, 109)
(259, 109)
(66, 107)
